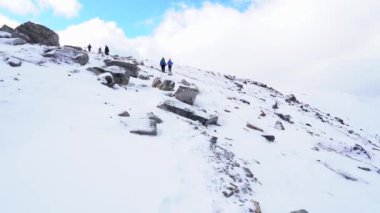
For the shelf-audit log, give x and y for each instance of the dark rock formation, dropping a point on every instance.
(186, 94)
(269, 138)
(39, 34)
(251, 126)
(124, 114)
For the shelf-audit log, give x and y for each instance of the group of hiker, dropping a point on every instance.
(106, 49)
(163, 65)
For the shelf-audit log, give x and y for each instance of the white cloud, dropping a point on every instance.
(66, 8)
(8, 21)
(287, 43)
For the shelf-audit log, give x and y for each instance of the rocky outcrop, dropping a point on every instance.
(38, 34)
(66, 55)
(15, 34)
(144, 126)
(186, 94)
(189, 112)
(167, 85)
(119, 75)
(133, 69)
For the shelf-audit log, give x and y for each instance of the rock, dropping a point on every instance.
(341, 121)
(96, 70)
(73, 47)
(257, 207)
(364, 168)
(300, 211)
(39, 34)
(188, 111)
(269, 138)
(245, 101)
(292, 99)
(275, 106)
(167, 85)
(132, 68)
(124, 114)
(248, 172)
(120, 75)
(106, 79)
(359, 150)
(145, 127)
(251, 126)
(263, 114)
(214, 139)
(286, 118)
(144, 77)
(154, 117)
(67, 55)
(156, 82)
(13, 62)
(184, 82)
(278, 125)
(14, 34)
(12, 41)
(186, 94)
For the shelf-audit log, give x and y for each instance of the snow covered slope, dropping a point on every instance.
(64, 148)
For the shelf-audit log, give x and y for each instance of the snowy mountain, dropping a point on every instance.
(73, 139)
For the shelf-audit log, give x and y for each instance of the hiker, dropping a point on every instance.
(89, 47)
(100, 50)
(106, 50)
(163, 64)
(170, 64)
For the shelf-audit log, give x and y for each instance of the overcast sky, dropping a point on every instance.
(291, 44)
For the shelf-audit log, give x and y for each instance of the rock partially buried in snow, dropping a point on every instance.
(269, 138)
(119, 75)
(13, 62)
(189, 112)
(132, 68)
(278, 125)
(13, 41)
(251, 126)
(167, 85)
(186, 94)
(144, 126)
(66, 55)
(156, 82)
(106, 79)
(39, 34)
(14, 34)
(124, 114)
(184, 82)
(300, 211)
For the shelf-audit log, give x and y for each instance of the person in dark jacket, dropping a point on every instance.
(163, 64)
(89, 47)
(170, 64)
(106, 50)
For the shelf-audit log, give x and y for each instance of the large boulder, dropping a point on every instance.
(186, 94)
(120, 76)
(67, 55)
(189, 112)
(14, 34)
(39, 34)
(132, 68)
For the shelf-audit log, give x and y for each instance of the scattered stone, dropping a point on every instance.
(300, 211)
(214, 139)
(341, 121)
(67, 55)
(186, 94)
(188, 111)
(73, 47)
(269, 138)
(257, 207)
(263, 114)
(132, 68)
(148, 127)
(315, 149)
(245, 101)
(14, 34)
(154, 117)
(251, 126)
(226, 110)
(278, 125)
(228, 194)
(124, 114)
(184, 82)
(13, 41)
(286, 118)
(292, 99)
(359, 150)
(106, 79)
(144, 77)
(364, 168)
(230, 77)
(248, 172)
(275, 106)
(156, 82)
(13, 62)
(39, 34)
(119, 75)
(308, 124)
(167, 85)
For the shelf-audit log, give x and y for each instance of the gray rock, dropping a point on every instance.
(119, 76)
(300, 211)
(257, 207)
(154, 117)
(292, 99)
(150, 128)
(190, 112)
(167, 85)
(132, 68)
(67, 55)
(124, 114)
(39, 34)
(73, 47)
(251, 126)
(12, 41)
(106, 79)
(269, 138)
(13, 62)
(278, 125)
(184, 82)
(156, 82)
(286, 118)
(186, 94)
(144, 77)
(14, 34)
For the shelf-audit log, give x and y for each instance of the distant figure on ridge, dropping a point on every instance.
(89, 47)
(163, 64)
(100, 50)
(170, 64)
(106, 50)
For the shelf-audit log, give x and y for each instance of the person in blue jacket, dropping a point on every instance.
(170, 64)
(163, 64)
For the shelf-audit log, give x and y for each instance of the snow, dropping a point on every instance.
(5, 34)
(64, 148)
